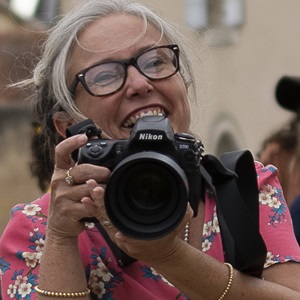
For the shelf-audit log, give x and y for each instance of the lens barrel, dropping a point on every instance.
(147, 195)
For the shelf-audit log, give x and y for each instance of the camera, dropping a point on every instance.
(155, 174)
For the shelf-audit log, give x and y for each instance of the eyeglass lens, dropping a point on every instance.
(156, 63)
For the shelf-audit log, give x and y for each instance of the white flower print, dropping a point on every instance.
(40, 245)
(216, 227)
(103, 272)
(208, 228)
(20, 279)
(12, 290)
(32, 259)
(272, 197)
(31, 209)
(274, 202)
(24, 289)
(206, 244)
(264, 198)
(93, 277)
(166, 281)
(89, 225)
(267, 189)
(98, 289)
(154, 272)
(271, 259)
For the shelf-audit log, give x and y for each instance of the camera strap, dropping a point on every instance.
(123, 259)
(233, 180)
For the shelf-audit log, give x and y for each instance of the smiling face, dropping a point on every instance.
(118, 37)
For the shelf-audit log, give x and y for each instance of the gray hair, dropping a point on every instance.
(50, 75)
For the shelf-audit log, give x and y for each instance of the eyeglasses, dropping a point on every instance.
(107, 78)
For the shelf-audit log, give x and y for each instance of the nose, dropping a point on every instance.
(136, 83)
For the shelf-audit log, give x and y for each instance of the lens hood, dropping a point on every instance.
(147, 195)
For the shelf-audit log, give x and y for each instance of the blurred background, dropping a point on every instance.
(245, 47)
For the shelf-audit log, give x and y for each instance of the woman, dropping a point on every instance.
(80, 76)
(281, 150)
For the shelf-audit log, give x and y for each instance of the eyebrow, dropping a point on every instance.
(142, 49)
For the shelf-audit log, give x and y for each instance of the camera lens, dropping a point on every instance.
(147, 190)
(147, 195)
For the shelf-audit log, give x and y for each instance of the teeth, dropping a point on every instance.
(132, 120)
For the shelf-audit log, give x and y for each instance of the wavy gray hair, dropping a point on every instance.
(50, 75)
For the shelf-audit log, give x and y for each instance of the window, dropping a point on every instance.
(222, 18)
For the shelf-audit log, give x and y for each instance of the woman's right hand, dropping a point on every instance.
(71, 203)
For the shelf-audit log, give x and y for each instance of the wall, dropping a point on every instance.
(244, 75)
(238, 80)
(16, 182)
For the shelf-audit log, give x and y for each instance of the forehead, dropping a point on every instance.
(116, 36)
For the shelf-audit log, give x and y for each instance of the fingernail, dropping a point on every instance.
(98, 189)
(119, 235)
(82, 138)
(89, 182)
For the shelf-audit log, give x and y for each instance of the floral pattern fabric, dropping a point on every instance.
(21, 248)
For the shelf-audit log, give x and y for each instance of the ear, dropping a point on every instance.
(61, 121)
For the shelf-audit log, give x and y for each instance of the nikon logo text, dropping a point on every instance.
(150, 137)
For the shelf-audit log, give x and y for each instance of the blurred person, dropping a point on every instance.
(288, 97)
(287, 93)
(281, 150)
(114, 61)
(295, 206)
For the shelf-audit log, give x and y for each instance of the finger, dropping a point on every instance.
(83, 173)
(63, 151)
(97, 195)
(99, 211)
(95, 201)
(67, 203)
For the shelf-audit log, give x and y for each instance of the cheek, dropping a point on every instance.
(180, 92)
(95, 110)
(182, 108)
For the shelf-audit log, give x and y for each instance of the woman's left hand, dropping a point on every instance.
(145, 250)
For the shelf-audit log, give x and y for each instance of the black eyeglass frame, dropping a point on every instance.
(80, 76)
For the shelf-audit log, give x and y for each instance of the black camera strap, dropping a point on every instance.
(123, 259)
(234, 183)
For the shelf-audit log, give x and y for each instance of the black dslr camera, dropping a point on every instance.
(155, 173)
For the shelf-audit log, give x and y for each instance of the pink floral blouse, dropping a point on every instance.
(21, 248)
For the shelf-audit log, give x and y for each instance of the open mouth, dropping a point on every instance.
(132, 120)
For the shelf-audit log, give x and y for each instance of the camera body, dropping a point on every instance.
(155, 174)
